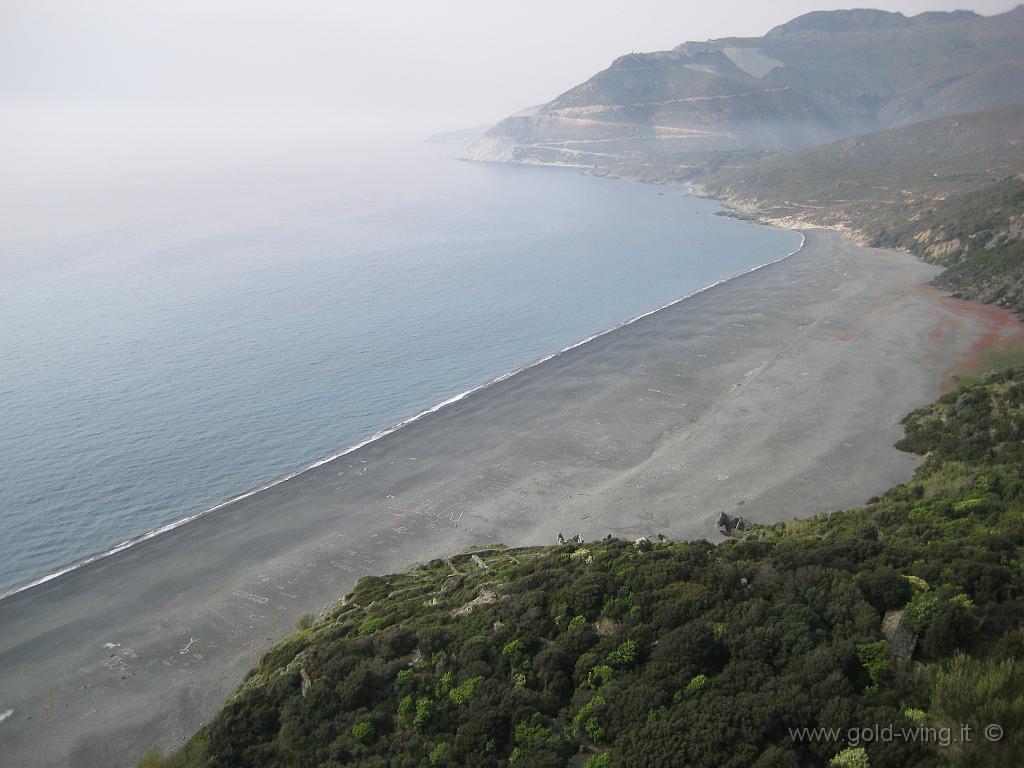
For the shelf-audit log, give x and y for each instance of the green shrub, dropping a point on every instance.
(599, 675)
(875, 659)
(512, 648)
(982, 692)
(464, 692)
(372, 625)
(536, 743)
(916, 716)
(851, 757)
(623, 656)
(919, 611)
(588, 719)
(695, 684)
(406, 707)
(576, 623)
(424, 711)
(438, 753)
(443, 685)
(363, 732)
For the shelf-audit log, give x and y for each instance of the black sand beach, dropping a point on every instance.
(775, 395)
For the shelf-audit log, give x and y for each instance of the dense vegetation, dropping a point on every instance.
(908, 611)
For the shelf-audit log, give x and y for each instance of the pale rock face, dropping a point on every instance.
(493, 149)
(944, 249)
(753, 61)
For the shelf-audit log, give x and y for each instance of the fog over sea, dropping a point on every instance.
(189, 336)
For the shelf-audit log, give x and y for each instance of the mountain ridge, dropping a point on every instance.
(817, 78)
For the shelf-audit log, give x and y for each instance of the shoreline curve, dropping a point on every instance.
(128, 543)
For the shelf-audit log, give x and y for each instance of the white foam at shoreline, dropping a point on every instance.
(385, 432)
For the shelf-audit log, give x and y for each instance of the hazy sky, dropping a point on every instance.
(410, 65)
(118, 112)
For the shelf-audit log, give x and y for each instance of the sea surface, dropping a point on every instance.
(182, 338)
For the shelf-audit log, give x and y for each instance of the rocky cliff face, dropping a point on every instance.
(820, 77)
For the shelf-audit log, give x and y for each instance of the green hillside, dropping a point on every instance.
(896, 172)
(978, 235)
(908, 611)
(949, 190)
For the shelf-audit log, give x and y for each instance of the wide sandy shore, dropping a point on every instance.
(776, 395)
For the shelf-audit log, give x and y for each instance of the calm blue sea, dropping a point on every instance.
(233, 328)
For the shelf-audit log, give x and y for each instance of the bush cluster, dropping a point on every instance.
(683, 653)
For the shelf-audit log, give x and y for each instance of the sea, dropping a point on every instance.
(182, 338)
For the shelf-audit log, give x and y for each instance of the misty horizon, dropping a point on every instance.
(398, 69)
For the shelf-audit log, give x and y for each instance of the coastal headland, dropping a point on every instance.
(775, 395)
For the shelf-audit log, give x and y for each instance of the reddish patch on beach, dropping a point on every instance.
(944, 330)
(999, 328)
